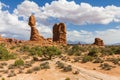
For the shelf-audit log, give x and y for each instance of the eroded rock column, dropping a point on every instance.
(59, 33)
(34, 32)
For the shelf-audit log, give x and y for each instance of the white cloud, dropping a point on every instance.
(64, 11)
(12, 27)
(71, 12)
(109, 36)
(82, 13)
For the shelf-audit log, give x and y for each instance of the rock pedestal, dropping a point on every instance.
(34, 32)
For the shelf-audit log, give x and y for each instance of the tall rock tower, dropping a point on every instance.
(34, 32)
(59, 33)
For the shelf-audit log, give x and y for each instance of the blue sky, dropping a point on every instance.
(85, 19)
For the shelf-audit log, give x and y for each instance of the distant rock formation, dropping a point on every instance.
(98, 42)
(10, 40)
(59, 33)
(34, 32)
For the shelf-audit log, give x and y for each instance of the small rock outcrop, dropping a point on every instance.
(59, 33)
(34, 32)
(98, 42)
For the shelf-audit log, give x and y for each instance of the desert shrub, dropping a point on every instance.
(93, 52)
(50, 51)
(19, 62)
(2, 44)
(76, 72)
(106, 66)
(74, 51)
(3, 79)
(20, 71)
(29, 71)
(117, 51)
(67, 68)
(35, 58)
(107, 51)
(13, 47)
(6, 71)
(11, 66)
(11, 74)
(24, 48)
(5, 55)
(44, 65)
(36, 68)
(77, 59)
(4, 63)
(36, 51)
(1, 66)
(114, 60)
(86, 59)
(27, 65)
(98, 60)
(60, 64)
(67, 78)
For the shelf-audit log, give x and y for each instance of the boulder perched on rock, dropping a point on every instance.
(59, 33)
(34, 32)
(98, 42)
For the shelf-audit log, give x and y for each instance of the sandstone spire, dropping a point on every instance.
(34, 32)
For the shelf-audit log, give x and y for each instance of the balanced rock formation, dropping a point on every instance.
(98, 42)
(59, 33)
(34, 32)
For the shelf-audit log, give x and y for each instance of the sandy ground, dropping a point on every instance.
(85, 73)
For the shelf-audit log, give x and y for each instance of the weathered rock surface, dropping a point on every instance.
(10, 40)
(59, 33)
(34, 32)
(98, 42)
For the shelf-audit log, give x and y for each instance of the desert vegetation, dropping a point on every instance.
(25, 57)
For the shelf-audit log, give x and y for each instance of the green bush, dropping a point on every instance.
(93, 52)
(44, 65)
(36, 51)
(75, 50)
(25, 48)
(98, 60)
(13, 47)
(19, 62)
(106, 66)
(67, 78)
(60, 64)
(107, 51)
(5, 55)
(3, 78)
(29, 71)
(36, 68)
(67, 68)
(87, 58)
(50, 51)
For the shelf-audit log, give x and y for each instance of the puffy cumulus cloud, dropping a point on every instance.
(82, 13)
(11, 26)
(69, 11)
(26, 8)
(82, 35)
(109, 36)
